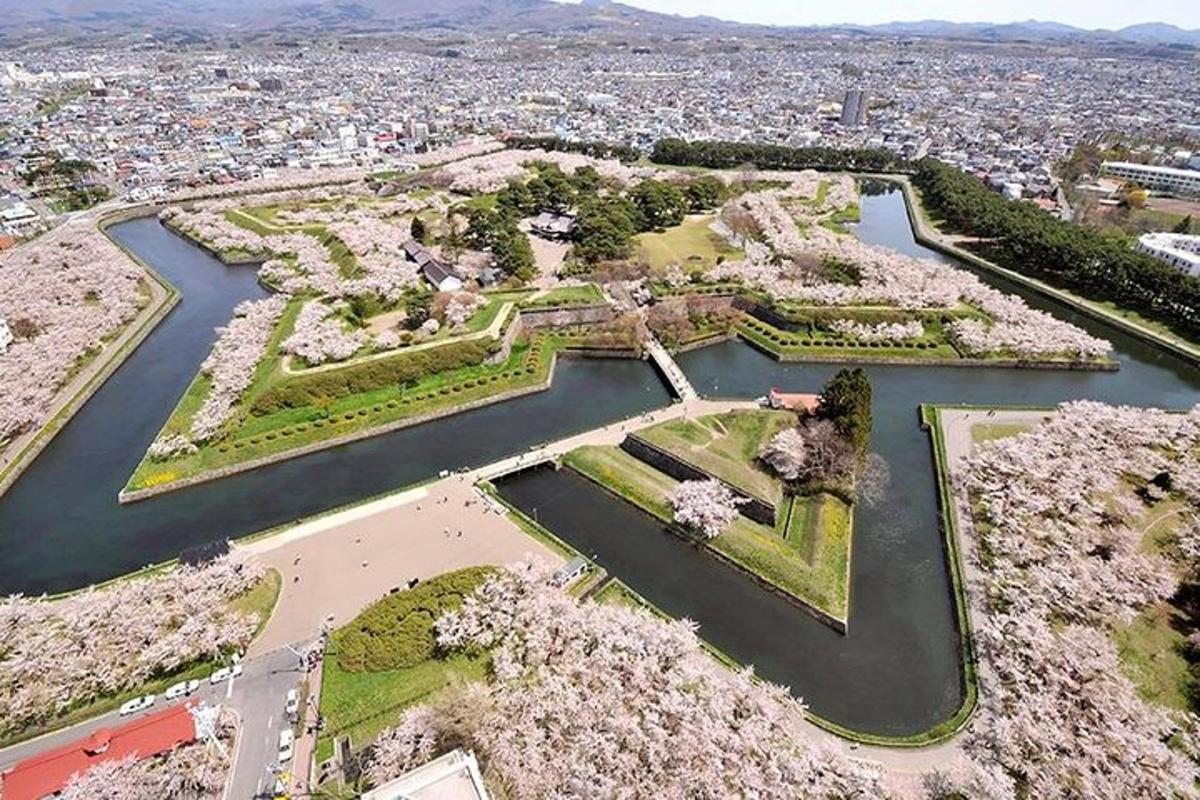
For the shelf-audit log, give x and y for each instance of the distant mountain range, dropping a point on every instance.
(1034, 30)
(601, 16)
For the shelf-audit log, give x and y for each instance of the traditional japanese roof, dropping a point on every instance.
(42, 775)
(437, 271)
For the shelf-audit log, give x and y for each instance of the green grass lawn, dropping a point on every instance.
(384, 660)
(260, 599)
(692, 245)
(253, 437)
(585, 294)
(726, 445)
(781, 560)
(1149, 649)
(991, 431)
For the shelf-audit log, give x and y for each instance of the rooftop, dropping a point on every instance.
(46, 774)
(453, 776)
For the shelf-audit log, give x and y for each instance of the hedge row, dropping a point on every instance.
(792, 340)
(327, 386)
(397, 631)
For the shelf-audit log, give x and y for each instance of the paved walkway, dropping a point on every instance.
(334, 566)
(958, 423)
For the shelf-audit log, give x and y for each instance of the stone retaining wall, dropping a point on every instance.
(567, 315)
(666, 462)
(823, 617)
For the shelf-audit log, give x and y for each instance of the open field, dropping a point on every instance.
(692, 245)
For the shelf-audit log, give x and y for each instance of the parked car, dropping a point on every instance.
(181, 689)
(292, 705)
(286, 737)
(137, 704)
(225, 672)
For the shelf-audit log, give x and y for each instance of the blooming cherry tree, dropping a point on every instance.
(319, 337)
(706, 506)
(60, 653)
(596, 700)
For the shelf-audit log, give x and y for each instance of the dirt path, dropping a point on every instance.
(491, 331)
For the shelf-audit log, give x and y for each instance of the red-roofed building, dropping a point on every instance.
(46, 774)
(794, 401)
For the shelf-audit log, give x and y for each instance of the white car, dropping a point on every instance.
(285, 745)
(225, 672)
(181, 689)
(137, 704)
(293, 701)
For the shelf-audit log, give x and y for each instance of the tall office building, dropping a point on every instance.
(854, 108)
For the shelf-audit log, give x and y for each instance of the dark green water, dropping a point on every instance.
(61, 526)
(897, 671)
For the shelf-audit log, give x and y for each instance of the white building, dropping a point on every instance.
(1173, 249)
(6, 336)
(1159, 179)
(453, 776)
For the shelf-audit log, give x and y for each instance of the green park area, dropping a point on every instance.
(726, 446)
(692, 245)
(806, 554)
(281, 411)
(386, 659)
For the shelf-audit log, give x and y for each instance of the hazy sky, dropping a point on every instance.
(1083, 13)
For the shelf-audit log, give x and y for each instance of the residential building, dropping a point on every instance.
(6, 337)
(1174, 249)
(854, 108)
(1167, 180)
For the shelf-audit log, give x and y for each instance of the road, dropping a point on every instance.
(258, 697)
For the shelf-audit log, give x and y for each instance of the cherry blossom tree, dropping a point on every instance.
(72, 289)
(320, 335)
(1063, 507)
(239, 347)
(706, 506)
(191, 772)
(767, 229)
(596, 700)
(57, 654)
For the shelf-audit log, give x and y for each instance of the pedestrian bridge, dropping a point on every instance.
(679, 383)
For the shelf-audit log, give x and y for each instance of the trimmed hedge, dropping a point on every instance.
(397, 631)
(324, 386)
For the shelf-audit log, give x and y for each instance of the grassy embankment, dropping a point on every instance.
(260, 599)
(386, 660)
(805, 555)
(565, 296)
(262, 428)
